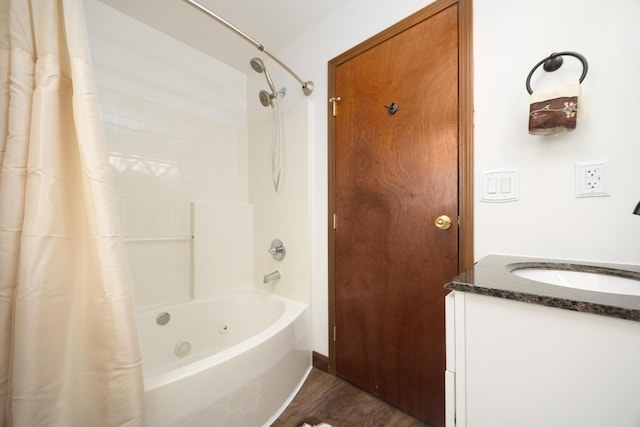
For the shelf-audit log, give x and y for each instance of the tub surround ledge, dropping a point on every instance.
(491, 276)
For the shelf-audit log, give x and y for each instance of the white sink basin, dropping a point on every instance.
(590, 281)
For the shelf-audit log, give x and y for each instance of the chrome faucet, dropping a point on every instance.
(274, 275)
(636, 211)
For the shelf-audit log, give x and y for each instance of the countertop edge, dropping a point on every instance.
(554, 302)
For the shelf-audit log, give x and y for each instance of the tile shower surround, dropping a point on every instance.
(162, 160)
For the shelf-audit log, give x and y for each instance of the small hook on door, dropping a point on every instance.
(392, 109)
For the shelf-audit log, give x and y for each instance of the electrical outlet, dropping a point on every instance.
(593, 179)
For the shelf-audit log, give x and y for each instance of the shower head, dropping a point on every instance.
(258, 66)
(266, 98)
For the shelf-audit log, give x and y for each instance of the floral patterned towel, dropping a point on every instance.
(554, 112)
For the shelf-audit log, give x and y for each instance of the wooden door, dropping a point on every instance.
(395, 174)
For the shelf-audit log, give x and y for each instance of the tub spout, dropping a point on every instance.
(274, 275)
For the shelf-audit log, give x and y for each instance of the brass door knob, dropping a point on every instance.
(443, 222)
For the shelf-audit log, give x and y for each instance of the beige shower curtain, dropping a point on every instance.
(69, 354)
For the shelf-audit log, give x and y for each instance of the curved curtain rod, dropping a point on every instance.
(307, 87)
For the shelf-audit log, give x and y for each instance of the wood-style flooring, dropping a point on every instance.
(329, 399)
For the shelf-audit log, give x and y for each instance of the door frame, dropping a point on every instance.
(465, 140)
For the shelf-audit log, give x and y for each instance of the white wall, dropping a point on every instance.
(283, 215)
(510, 37)
(549, 220)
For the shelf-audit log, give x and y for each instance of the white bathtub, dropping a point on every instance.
(249, 352)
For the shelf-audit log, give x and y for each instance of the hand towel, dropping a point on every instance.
(554, 112)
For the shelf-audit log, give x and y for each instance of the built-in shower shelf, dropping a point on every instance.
(157, 239)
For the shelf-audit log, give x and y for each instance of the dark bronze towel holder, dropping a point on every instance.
(553, 62)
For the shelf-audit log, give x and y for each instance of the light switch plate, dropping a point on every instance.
(500, 186)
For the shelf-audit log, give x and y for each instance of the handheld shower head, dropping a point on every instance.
(258, 66)
(266, 98)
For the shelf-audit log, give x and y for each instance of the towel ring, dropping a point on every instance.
(553, 62)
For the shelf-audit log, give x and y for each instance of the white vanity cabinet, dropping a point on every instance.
(517, 364)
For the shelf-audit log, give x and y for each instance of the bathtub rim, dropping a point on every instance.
(293, 309)
(177, 303)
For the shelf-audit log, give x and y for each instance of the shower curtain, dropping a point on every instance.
(69, 353)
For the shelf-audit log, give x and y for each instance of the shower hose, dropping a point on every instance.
(277, 147)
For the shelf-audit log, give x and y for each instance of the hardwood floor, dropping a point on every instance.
(329, 399)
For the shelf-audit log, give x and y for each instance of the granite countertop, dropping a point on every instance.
(491, 276)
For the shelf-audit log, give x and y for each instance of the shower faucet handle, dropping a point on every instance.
(277, 249)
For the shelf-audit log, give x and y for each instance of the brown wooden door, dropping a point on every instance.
(394, 175)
